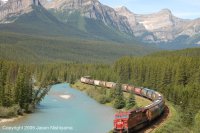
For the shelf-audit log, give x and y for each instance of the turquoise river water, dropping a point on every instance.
(78, 114)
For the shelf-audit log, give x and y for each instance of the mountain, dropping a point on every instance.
(33, 34)
(137, 28)
(163, 28)
(92, 20)
(31, 17)
(1, 3)
(91, 9)
(13, 8)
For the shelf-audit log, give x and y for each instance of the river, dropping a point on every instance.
(78, 114)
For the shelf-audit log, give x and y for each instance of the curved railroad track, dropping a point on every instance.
(156, 123)
(143, 120)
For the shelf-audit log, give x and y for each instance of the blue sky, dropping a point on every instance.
(189, 9)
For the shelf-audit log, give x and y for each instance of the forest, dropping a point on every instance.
(44, 49)
(20, 92)
(175, 74)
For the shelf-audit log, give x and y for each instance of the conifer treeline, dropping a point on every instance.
(178, 78)
(18, 91)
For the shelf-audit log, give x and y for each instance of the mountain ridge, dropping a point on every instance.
(161, 27)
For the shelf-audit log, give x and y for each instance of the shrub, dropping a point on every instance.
(9, 112)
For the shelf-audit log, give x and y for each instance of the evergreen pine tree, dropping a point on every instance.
(8, 98)
(119, 101)
(197, 123)
(131, 101)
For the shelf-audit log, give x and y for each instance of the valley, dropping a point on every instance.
(47, 46)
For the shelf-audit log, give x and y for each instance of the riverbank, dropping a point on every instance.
(58, 115)
(9, 120)
(140, 101)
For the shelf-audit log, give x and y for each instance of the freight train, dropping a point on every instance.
(134, 119)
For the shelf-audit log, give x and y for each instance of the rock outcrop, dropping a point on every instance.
(92, 9)
(13, 8)
(1, 3)
(158, 27)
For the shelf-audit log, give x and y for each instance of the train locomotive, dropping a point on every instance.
(134, 119)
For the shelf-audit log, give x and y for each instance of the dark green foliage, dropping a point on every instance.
(112, 94)
(197, 123)
(9, 111)
(28, 49)
(39, 36)
(99, 94)
(131, 101)
(119, 101)
(16, 88)
(176, 75)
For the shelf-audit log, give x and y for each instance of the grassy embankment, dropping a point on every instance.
(170, 124)
(102, 95)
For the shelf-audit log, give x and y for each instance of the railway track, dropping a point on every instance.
(156, 123)
(143, 120)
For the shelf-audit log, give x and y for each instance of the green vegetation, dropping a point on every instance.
(108, 96)
(131, 101)
(29, 49)
(174, 74)
(197, 123)
(39, 36)
(119, 101)
(192, 52)
(177, 77)
(96, 29)
(6, 112)
(17, 93)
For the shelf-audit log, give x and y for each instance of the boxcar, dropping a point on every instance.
(97, 82)
(158, 95)
(110, 84)
(102, 83)
(153, 112)
(91, 81)
(125, 87)
(153, 96)
(149, 94)
(144, 92)
(130, 88)
(83, 80)
(137, 91)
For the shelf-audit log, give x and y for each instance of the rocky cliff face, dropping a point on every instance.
(92, 9)
(1, 3)
(158, 27)
(137, 28)
(13, 8)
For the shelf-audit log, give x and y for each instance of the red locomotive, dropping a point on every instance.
(128, 121)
